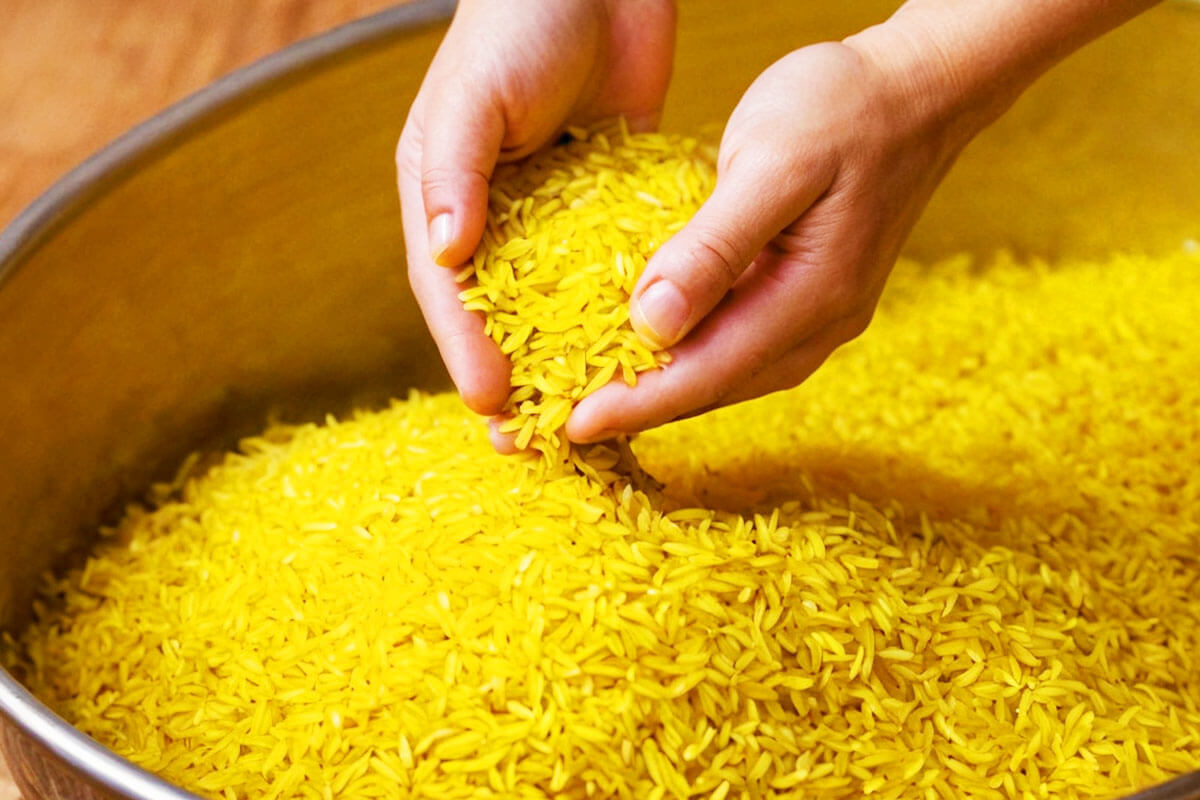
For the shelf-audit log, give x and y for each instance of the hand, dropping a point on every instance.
(824, 167)
(509, 76)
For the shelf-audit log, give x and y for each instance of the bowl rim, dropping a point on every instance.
(65, 198)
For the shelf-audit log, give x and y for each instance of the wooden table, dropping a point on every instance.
(74, 74)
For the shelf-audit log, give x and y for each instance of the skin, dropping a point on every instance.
(824, 167)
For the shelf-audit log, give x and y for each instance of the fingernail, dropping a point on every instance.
(660, 313)
(441, 232)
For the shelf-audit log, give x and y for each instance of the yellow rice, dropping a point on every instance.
(568, 234)
(962, 561)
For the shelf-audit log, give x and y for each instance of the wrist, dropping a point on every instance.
(966, 61)
(925, 71)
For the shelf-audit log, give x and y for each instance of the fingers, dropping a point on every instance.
(476, 365)
(463, 132)
(755, 198)
(670, 394)
(795, 367)
(802, 286)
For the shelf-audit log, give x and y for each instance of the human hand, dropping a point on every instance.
(508, 77)
(824, 167)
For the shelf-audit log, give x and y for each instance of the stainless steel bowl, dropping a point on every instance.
(241, 252)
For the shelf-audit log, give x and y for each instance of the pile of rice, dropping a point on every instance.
(962, 561)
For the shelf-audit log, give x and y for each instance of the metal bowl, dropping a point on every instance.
(241, 252)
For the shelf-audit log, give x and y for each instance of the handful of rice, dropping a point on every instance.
(960, 562)
(569, 232)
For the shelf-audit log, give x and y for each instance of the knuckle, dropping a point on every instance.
(719, 255)
(435, 180)
(758, 165)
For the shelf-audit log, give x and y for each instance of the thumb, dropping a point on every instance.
(751, 204)
(462, 136)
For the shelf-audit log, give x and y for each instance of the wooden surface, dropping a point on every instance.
(75, 74)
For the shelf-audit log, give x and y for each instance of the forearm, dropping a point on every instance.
(973, 58)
